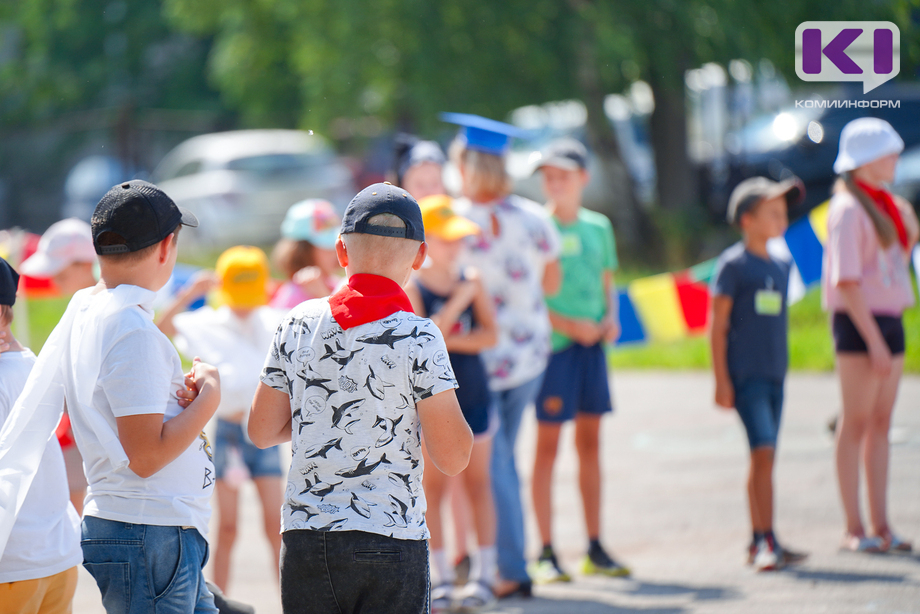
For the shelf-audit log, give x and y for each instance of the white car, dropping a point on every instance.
(240, 184)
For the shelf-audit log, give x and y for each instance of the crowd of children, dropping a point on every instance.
(414, 367)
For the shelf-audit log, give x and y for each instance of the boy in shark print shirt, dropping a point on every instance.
(353, 381)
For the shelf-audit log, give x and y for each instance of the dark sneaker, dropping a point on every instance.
(598, 562)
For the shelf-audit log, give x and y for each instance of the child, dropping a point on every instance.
(38, 565)
(418, 166)
(748, 338)
(575, 385)
(353, 381)
(306, 253)
(136, 419)
(457, 302)
(234, 338)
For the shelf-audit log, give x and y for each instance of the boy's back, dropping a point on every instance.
(356, 450)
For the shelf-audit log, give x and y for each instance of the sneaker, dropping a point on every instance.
(598, 562)
(462, 571)
(441, 599)
(474, 596)
(767, 557)
(547, 570)
(752, 552)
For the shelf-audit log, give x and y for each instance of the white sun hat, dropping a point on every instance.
(64, 243)
(865, 140)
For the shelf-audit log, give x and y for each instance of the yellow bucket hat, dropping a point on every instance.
(243, 275)
(440, 220)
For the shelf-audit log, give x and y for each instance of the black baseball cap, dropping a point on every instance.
(565, 153)
(751, 191)
(383, 198)
(141, 213)
(9, 281)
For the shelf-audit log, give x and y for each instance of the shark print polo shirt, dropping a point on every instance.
(357, 460)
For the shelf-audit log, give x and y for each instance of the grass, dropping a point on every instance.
(810, 345)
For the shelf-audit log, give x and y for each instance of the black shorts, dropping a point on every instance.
(848, 339)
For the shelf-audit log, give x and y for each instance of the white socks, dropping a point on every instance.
(484, 564)
(445, 573)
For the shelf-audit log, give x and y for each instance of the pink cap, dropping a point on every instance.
(64, 243)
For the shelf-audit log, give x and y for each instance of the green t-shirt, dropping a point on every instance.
(588, 250)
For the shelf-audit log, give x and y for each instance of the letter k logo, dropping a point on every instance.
(836, 51)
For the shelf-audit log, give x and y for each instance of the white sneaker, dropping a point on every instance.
(442, 598)
(767, 559)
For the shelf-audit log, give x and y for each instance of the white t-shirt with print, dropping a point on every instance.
(236, 346)
(46, 537)
(511, 263)
(357, 462)
(140, 373)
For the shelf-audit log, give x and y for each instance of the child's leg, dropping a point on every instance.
(876, 448)
(435, 483)
(461, 512)
(859, 390)
(587, 443)
(478, 490)
(270, 494)
(227, 512)
(541, 484)
(760, 489)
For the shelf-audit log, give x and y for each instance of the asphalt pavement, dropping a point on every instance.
(675, 511)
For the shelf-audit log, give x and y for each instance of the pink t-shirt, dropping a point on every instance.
(853, 252)
(289, 295)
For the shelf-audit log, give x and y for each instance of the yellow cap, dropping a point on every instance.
(243, 275)
(441, 221)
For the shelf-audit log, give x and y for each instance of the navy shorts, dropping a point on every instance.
(575, 381)
(848, 339)
(760, 404)
(261, 463)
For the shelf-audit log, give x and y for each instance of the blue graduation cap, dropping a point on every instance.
(483, 134)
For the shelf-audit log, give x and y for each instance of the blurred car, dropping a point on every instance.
(87, 182)
(907, 176)
(804, 141)
(241, 183)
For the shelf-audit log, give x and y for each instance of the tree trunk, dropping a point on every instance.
(676, 180)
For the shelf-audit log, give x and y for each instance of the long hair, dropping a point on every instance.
(484, 175)
(884, 226)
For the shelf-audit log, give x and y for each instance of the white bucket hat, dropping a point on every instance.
(64, 243)
(865, 140)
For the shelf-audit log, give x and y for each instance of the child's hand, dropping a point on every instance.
(465, 292)
(586, 332)
(202, 283)
(610, 329)
(725, 394)
(880, 358)
(310, 280)
(4, 343)
(202, 376)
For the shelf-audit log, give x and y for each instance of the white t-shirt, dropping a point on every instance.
(357, 461)
(46, 537)
(511, 264)
(140, 373)
(237, 347)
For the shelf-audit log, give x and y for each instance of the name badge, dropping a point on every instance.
(768, 303)
(570, 245)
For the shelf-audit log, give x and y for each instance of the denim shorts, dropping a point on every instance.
(261, 463)
(330, 572)
(760, 404)
(575, 381)
(147, 569)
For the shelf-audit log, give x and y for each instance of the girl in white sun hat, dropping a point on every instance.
(866, 287)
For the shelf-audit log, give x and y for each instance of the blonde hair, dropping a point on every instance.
(484, 175)
(375, 252)
(884, 226)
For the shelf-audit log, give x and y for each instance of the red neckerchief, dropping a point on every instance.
(367, 298)
(885, 203)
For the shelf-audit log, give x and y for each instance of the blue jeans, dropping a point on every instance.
(506, 487)
(338, 572)
(760, 405)
(147, 569)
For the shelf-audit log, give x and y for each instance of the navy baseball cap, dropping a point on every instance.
(483, 134)
(383, 198)
(565, 153)
(140, 213)
(9, 281)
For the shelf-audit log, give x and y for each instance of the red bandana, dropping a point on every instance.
(885, 203)
(367, 298)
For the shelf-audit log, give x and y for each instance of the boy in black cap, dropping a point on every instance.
(137, 419)
(748, 338)
(352, 381)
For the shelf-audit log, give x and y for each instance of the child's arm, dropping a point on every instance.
(270, 417)
(151, 443)
(610, 325)
(447, 435)
(485, 333)
(200, 285)
(879, 354)
(552, 278)
(718, 339)
(583, 331)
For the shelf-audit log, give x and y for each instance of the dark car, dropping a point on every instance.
(815, 133)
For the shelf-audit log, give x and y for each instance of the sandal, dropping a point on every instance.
(893, 543)
(861, 543)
